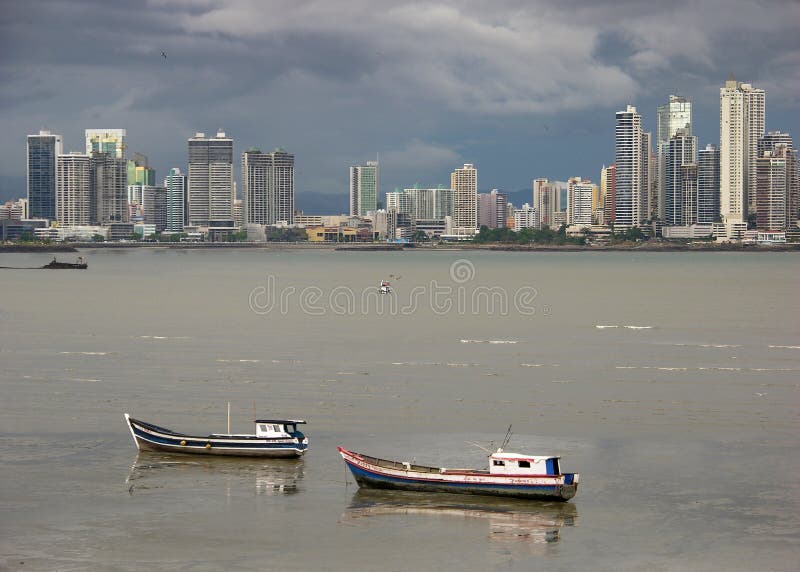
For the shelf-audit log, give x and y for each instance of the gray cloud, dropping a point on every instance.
(523, 89)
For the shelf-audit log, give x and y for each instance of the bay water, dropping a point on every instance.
(669, 381)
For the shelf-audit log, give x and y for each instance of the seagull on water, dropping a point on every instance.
(163, 55)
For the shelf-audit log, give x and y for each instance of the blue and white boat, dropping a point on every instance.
(508, 475)
(273, 438)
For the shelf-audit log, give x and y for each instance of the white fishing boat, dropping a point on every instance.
(508, 475)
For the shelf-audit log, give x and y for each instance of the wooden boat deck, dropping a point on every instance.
(400, 466)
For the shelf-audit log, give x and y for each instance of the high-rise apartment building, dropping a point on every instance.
(283, 184)
(154, 206)
(741, 125)
(708, 185)
(109, 188)
(267, 187)
(610, 196)
(770, 140)
(546, 200)
(73, 189)
(492, 209)
(42, 151)
(422, 204)
(138, 171)
(464, 182)
(526, 217)
(632, 169)
(772, 178)
(175, 185)
(259, 208)
(688, 194)
(108, 141)
(674, 115)
(682, 151)
(579, 201)
(364, 188)
(210, 180)
(778, 189)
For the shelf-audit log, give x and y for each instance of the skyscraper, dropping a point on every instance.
(256, 174)
(708, 185)
(464, 182)
(138, 171)
(268, 186)
(43, 149)
(688, 195)
(610, 197)
(283, 184)
(175, 184)
(364, 188)
(682, 150)
(741, 125)
(109, 188)
(421, 204)
(154, 206)
(632, 165)
(772, 178)
(545, 201)
(109, 141)
(778, 188)
(769, 141)
(210, 180)
(73, 189)
(492, 209)
(579, 201)
(671, 116)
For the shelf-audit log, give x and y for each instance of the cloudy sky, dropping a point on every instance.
(522, 89)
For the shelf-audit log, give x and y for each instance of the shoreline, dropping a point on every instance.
(361, 247)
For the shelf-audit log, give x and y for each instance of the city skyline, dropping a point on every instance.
(514, 126)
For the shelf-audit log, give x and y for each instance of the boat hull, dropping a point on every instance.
(65, 266)
(369, 475)
(150, 437)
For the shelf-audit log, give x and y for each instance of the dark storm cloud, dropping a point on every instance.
(508, 85)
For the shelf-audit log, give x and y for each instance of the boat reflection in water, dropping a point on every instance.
(508, 520)
(152, 470)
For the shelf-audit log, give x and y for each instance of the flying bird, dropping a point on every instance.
(164, 55)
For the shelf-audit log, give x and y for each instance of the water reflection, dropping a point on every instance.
(508, 520)
(151, 470)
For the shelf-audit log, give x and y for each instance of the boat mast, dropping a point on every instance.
(229, 418)
(507, 438)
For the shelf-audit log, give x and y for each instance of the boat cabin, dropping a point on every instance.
(501, 463)
(278, 428)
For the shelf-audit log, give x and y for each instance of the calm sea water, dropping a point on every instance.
(670, 381)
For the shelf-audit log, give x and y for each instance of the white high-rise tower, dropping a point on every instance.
(741, 125)
(632, 169)
(464, 183)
